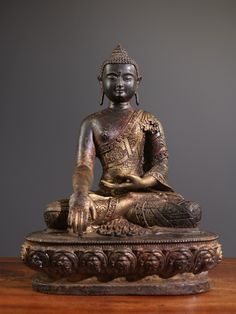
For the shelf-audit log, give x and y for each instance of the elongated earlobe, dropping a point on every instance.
(102, 98)
(136, 99)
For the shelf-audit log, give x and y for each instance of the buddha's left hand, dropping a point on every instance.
(131, 182)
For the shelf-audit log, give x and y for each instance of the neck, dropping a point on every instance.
(120, 105)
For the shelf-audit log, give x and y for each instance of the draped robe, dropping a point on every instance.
(139, 149)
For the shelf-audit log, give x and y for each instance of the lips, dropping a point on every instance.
(119, 90)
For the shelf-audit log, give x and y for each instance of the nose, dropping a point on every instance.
(119, 82)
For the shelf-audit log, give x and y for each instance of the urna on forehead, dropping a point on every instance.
(120, 68)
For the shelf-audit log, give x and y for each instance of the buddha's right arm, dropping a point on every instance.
(83, 175)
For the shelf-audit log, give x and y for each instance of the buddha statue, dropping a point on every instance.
(134, 226)
(130, 144)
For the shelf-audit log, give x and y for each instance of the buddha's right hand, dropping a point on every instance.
(80, 207)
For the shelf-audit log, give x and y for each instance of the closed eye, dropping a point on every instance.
(128, 77)
(112, 77)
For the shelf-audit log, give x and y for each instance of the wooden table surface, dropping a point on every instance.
(16, 296)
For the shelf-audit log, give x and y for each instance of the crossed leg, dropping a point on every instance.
(147, 209)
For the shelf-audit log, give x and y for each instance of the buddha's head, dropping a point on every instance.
(119, 77)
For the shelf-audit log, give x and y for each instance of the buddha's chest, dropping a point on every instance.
(124, 148)
(109, 130)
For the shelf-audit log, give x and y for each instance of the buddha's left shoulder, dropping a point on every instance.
(148, 115)
(150, 122)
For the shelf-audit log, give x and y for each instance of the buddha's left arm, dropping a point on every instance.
(158, 154)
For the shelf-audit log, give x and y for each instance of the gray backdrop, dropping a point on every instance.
(51, 52)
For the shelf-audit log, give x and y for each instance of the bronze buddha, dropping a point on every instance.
(131, 147)
(134, 235)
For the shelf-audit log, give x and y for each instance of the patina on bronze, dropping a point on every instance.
(135, 234)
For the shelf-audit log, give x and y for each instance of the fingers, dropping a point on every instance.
(78, 215)
(93, 211)
(70, 218)
(79, 223)
(109, 184)
(117, 186)
(127, 185)
(85, 219)
(132, 178)
(76, 225)
(82, 220)
(76, 220)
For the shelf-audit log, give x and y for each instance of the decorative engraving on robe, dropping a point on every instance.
(150, 123)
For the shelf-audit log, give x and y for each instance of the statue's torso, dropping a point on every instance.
(119, 141)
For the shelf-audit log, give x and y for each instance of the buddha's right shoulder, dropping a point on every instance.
(93, 117)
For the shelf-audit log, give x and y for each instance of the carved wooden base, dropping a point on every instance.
(166, 262)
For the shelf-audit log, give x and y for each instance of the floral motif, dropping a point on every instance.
(178, 262)
(205, 259)
(150, 123)
(151, 262)
(64, 263)
(93, 262)
(38, 260)
(122, 262)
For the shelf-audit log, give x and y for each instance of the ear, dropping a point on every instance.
(138, 82)
(99, 78)
(100, 82)
(139, 79)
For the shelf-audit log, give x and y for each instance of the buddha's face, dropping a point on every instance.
(119, 82)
